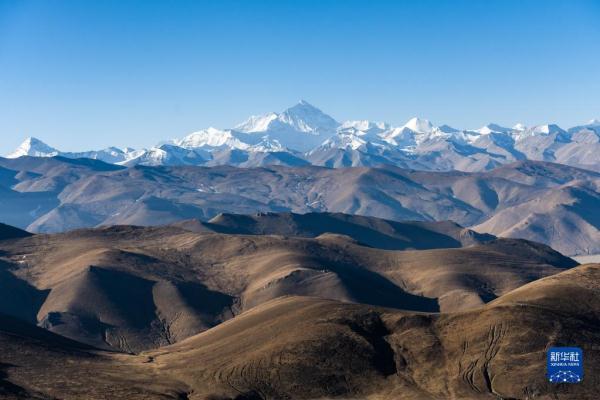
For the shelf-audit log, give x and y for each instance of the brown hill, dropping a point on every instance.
(307, 348)
(310, 348)
(134, 288)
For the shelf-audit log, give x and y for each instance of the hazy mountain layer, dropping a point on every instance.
(544, 202)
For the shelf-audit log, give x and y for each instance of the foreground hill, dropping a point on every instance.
(134, 288)
(539, 201)
(307, 348)
(328, 349)
(37, 364)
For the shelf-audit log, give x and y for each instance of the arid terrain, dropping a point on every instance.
(286, 306)
(554, 204)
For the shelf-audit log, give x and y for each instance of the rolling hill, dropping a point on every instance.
(134, 288)
(539, 201)
(307, 348)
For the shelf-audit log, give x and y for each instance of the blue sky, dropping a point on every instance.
(88, 74)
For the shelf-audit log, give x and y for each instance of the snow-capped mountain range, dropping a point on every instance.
(303, 134)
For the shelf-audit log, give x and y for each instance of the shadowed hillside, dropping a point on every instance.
(307, 348)
(135, 288)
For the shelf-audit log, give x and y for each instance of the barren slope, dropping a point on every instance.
(306, 348)
(134, 288)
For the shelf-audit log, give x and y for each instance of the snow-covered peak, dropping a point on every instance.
(302, 108)
(419, 125)
(519, 127)
(402, 137)
(33, 147)
(302, 117)
(305, 117)
(492, 128)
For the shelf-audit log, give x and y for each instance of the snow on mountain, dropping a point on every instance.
(547, 129)
(364, 126)
(33, 147)
(538, 130)
(167, 154)
(301, 127)
(212, 137)
(400, 137)
(112, 155)
(304, 133)
(257, 123)
(350, 140)
(36, 148)
(303, 117)
(419, 125)
(417, 131)
(267, 145)
(593, 123)
(492, 128)
(405, 136)
(353, 135)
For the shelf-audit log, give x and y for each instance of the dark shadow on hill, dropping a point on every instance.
(368, 287)
(18, 298)
(9, 390)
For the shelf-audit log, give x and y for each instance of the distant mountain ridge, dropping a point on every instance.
(303, 134)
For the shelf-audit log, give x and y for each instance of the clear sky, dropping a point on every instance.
(88, 74)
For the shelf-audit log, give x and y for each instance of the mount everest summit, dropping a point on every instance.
(303, 134)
